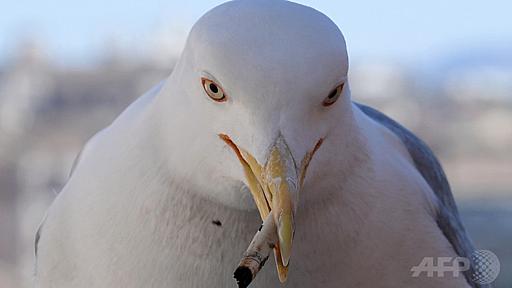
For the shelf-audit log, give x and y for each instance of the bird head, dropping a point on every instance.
(258, 89)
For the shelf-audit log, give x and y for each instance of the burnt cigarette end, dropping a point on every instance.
(257, 253)
(243, 276)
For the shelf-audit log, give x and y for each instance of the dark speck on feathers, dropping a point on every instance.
(38, 236)
(217, 223)
(36, 243)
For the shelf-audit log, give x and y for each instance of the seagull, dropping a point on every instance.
(255, 119)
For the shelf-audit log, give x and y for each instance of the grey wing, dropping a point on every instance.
(448, 218)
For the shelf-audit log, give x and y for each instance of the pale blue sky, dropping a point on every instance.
(405, 31)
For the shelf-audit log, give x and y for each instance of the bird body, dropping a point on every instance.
(160, 201)
(158, 234)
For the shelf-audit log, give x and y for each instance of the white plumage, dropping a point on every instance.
(138, 208)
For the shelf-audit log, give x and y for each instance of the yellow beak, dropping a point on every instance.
(281, 181)
(275, 186)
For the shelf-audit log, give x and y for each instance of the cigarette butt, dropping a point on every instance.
(258, 252)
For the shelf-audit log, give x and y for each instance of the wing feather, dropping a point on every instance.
(425, 161)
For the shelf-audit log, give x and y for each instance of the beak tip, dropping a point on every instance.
(285, 233)
(285, 249)
(285, 259)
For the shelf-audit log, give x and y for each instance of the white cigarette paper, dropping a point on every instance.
(258, 252)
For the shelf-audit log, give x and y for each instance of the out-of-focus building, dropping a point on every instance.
(383, 85)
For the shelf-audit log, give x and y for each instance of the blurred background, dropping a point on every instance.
(67, 68)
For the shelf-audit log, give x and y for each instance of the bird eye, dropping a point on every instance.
(333, 95)
(213, 90)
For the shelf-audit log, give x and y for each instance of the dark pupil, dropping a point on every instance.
(214, 88)
(332, 94)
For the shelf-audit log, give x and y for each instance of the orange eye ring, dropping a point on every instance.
(213, 90)
(333, 95)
